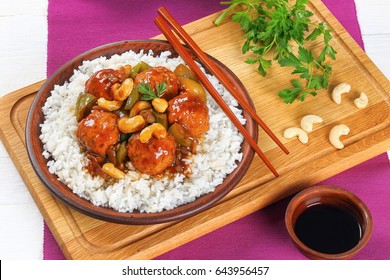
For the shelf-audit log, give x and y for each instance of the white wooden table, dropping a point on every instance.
(23, 52)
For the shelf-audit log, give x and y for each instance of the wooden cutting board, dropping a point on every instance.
(82, 237)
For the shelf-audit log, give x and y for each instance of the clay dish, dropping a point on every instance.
(65, 195)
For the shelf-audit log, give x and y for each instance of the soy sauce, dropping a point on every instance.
(328, 229)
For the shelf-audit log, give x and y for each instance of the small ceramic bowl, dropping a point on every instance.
(335, 198)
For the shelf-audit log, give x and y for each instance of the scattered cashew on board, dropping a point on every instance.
(338, 130)
(335, 133)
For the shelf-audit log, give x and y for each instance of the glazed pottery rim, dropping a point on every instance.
(65, 194)
(330, 190)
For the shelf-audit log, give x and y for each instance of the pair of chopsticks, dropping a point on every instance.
(165, 22)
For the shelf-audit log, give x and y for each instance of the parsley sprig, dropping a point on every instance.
(150, 94)
(278, 30)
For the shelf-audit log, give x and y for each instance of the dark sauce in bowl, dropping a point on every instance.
(328, 229)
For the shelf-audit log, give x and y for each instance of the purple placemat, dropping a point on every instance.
(261, 235)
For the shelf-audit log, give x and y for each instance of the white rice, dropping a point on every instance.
(216, 157)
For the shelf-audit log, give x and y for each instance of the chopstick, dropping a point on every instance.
(163, 12)
(165, 29)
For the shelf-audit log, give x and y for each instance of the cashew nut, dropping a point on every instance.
(362, 101)
(339, 90)
(126, 69)
(109, 105)
(335, 133)
(308, 121)
(296, 131)
(160, 104)
(130, 125)
(138, 107)
(122, 91)
(156, 130)
(112, 171)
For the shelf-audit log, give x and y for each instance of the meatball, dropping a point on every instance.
(152, 157)
(98, 131)
(99, 84)
(191, 112)
(157, 75)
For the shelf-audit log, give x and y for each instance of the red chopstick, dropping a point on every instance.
(165, 29)
(163, 12)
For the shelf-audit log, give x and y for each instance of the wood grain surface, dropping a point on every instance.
(82, 237)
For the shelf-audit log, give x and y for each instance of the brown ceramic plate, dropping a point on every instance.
(63, 193)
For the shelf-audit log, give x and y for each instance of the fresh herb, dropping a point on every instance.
(148, 93)
(283, 27)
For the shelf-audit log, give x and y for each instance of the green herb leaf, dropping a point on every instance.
(280, 29)
(251, 60)
(290, 94)
(291, 60)
(148, 94)
(263, 65)
(161, 88)
(305, 55)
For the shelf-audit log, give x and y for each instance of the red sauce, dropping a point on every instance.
(100, 83)
(191, 112)
(99, 135)
(94, 164)
(98, 131)
(158, 75)
(153, 156)
(180, 165)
